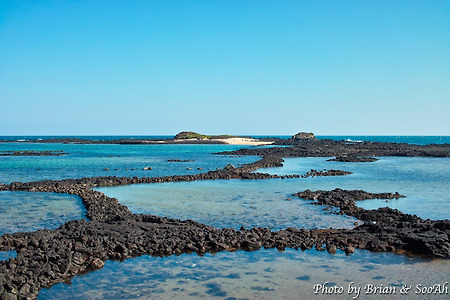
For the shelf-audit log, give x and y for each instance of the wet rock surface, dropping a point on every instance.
(46, 257)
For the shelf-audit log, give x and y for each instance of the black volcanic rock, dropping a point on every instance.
(354, 158)
(330, 148)
(33, 153)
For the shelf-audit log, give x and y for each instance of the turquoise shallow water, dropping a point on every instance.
(26, 211)
(113, 160)
(233, 203)
(264, 274)
(229, 204)
(5, 255)
(424, 181)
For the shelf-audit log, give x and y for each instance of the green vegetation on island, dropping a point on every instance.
(195, 135)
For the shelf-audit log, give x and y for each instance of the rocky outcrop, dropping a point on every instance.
(32, 153)
(353, 158)
(314, 173)
(332, 148)
(180, 160)
(303, 136)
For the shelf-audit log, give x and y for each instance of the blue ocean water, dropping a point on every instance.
(264, 274)
(25, 138)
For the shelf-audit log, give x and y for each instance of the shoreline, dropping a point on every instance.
(229, 141)
(113, 232)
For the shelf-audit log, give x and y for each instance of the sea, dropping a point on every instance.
(262, 274)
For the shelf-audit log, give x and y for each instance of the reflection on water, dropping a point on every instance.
(229, 203)
(264, 274)
(29, 211)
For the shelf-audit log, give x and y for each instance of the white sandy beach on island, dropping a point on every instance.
(243, 141)
(231, 141)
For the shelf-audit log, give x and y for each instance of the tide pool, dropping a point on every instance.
(229, 203)
(30, 211)
(5, 255)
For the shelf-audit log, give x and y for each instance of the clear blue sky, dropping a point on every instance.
(216, 67)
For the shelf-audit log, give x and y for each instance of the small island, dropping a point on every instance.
(194, 137)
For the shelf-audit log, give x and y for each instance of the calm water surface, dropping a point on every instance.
(30, 211)
(113, 160)
(264, 274)
(229, 203)
(424, 181)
